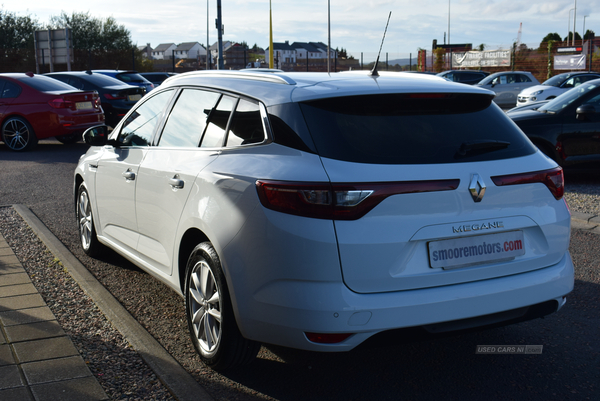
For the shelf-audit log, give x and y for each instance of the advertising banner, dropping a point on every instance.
(570, 62)
(487, 58)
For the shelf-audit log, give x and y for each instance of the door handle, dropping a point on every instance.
(176, 182)
(129, 175)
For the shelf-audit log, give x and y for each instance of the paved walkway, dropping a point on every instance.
(38, 361)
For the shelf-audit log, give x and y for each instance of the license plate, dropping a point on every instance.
(83, 105)
(134, 98)
(467, 251)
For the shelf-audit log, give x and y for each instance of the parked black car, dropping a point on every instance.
(566, 128)
(470, 77)
(157, 78)
(116, 97)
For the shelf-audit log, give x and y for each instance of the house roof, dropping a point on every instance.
(281, 46)
(163, 47)
(226, 45)
(306, 46)
(188, 45)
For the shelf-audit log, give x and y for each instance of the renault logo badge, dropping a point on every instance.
(477, 188)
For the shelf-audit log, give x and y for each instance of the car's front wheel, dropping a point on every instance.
(211, 320)
(85, 223)
(18, 135)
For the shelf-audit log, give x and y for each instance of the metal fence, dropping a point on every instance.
(537, 59)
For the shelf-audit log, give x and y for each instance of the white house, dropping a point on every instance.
(146, 50)
(164, 51)
(190, 50)
(282, 53)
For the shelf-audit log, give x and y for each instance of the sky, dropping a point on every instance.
(355, 25)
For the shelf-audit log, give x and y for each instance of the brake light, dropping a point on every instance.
(60, 103)
(553, 179)
(114, 96)
(338, 201)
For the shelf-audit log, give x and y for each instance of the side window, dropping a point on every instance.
(187, 121)
(522, 78)
(246, 126)
(137, 130)
(217, 123)
(9, 90)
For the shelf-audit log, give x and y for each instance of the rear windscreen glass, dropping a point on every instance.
(45, 84)
(413, 129)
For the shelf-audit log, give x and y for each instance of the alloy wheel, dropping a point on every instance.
(16, 134)
(205, 307)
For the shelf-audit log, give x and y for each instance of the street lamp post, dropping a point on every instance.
(574, 22)
(569, 26)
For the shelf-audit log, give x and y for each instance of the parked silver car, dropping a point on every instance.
(507, 85)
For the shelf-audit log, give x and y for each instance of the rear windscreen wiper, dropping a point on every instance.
(470, 148)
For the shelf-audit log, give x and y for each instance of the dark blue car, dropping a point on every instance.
(129, 77)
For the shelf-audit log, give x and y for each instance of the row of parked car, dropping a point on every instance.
(519, 88)
(560, 116)
(64, 104)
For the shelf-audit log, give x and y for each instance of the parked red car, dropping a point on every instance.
(34, 107)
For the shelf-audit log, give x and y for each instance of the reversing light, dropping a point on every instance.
(327, 338)
(553, 179)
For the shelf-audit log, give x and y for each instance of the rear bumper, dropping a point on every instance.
(331, 308)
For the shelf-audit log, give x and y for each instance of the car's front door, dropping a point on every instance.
(168, 173)
(117, 173)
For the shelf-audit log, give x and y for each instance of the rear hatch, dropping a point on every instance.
(78, 102)
(451, 190)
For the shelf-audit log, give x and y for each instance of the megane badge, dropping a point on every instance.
(477, 188)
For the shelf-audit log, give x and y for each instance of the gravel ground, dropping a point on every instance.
(119, 369)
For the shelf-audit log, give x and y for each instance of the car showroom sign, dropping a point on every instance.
(487, 58)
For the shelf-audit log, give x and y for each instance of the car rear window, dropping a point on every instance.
(45, 84)
(413, 129)
(131, 77)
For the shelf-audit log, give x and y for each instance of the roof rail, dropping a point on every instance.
(267, 76)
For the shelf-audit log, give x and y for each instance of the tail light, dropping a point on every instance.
(553, 179)
(338, 201)
(60, 103)
(115, 96)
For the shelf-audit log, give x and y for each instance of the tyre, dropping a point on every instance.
(211, 320)
(85, 223)
(18, 135)
(69, 138)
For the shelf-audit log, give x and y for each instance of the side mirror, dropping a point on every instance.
(96, 136)
(584, 111)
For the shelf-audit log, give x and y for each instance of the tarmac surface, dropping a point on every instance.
(38, 361)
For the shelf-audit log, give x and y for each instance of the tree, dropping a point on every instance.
(92, 33)
(16, 41)
(570, 36)
(589, 35)
(552, 36)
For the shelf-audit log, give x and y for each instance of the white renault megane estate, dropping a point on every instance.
(315, 211)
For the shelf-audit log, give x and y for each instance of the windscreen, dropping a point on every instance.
(413, 129)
